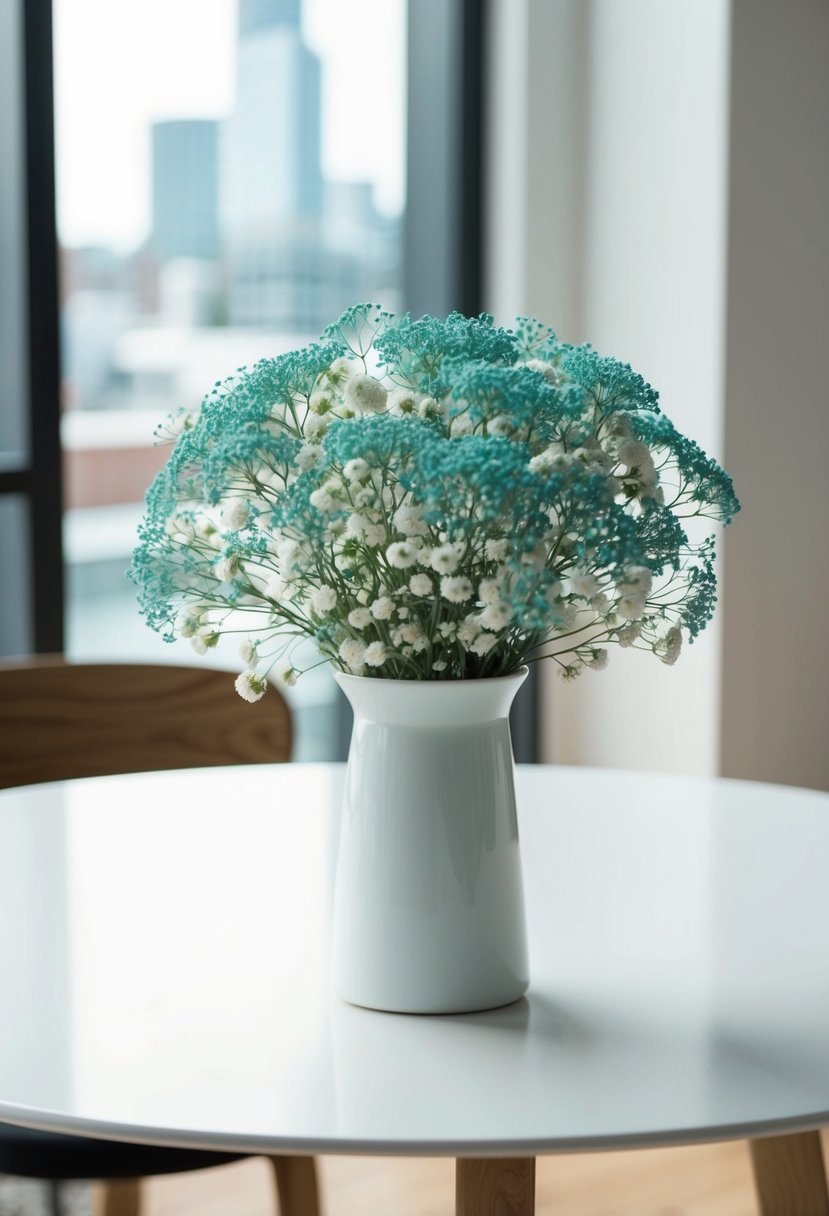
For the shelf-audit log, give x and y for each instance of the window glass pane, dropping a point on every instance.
(230, 178)
(15, 594)
(13, 388)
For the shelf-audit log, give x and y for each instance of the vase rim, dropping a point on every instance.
(520, 673)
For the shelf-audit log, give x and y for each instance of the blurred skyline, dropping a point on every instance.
(179, 61)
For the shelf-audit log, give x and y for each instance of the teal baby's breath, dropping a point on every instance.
(431, 499)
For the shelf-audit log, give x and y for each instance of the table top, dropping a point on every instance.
(164, 966)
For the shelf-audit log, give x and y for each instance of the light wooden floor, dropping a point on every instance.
(714, 1180)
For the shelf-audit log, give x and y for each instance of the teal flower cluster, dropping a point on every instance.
(431, 499)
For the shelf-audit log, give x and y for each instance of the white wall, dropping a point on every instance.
(535, 159)
(608, 186)
(776, 596)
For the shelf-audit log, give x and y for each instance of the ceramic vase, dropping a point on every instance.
(429, 907)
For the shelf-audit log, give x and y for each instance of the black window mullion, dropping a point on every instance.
(46, 495)
(469, 141)
(15, 480)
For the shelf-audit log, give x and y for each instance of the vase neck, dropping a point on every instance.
(443, 703)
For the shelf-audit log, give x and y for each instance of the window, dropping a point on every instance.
(226, 188)
(229, 177)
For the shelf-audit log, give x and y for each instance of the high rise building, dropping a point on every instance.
(185, 189)
(297, 252)
(271, 172)
(265, 14)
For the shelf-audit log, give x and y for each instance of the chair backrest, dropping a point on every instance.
(60, 720)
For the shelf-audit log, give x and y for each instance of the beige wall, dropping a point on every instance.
(775, 618)
(608, 165)
(659, 184)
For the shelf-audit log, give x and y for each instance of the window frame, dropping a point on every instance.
(443, 264)
(37, 477)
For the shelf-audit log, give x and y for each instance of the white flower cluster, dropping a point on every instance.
(382, 582)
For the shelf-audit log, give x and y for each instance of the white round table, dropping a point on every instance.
(164, 960)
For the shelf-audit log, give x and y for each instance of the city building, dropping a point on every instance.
(298, 249)
(185, 189)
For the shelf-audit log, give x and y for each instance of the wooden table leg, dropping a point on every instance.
(119, 1197)
(296, 1185)
(789, 1175)
(495, 1186)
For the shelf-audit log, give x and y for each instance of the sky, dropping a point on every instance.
(120, 66)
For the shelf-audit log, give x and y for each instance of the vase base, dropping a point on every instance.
(438, 1008)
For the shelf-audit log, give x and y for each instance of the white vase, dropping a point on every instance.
(429, 907)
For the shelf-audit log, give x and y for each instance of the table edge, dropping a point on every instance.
(582, 771)
(258, 1145)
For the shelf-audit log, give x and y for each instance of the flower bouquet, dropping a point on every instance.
(431, 500)
(435, 504)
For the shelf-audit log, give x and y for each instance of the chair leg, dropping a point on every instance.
(789, 1175)
(54, 1197)
(119, 1197)
(296, 1185)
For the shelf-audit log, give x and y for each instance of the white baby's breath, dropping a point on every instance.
(635, 455)
(496, 615)
(382, 608)
(247, 651)
(207, 530)
(456, 589)
(631, 606)
(546, 369)
(365, 394)
(315, 427)
(341, 369)
(444, 559)
(402, 401)
(409, 632)
(353, 654)
(356, 470)
(420, 584)
(250, 686)
(226, 568)
(468, 630)
(323, 500)
(427, 407)
(461, 425)
(323, 600)
(638, 579)
(362, 528)
(308, 456)
(235, 514)
(401, 555)
(289, 553)
(360, 618)
(597, 659)
(408, 520)
(628, 634)
(375, 655)
(279, 589)
(668, 647)
(496, 549)
(483, 643)
(188, 623)
(500, 425)
(583, 583)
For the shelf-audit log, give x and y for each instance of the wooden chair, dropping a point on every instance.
(61, 720)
